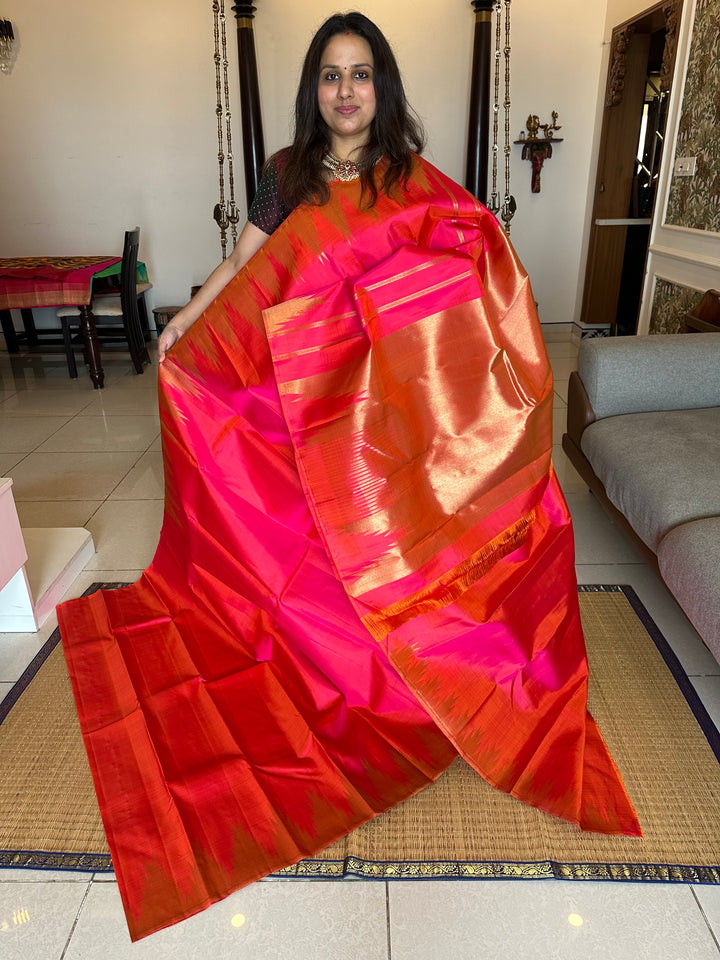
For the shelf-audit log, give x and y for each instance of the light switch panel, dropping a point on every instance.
(684, 166)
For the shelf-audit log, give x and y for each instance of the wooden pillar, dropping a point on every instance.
(476, 169)
(251, 118)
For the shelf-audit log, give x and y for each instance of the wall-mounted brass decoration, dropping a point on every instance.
(533, 125)
(538, 149)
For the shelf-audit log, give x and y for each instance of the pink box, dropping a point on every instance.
(12, 546)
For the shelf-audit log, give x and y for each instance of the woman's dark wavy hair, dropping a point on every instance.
(394, 131)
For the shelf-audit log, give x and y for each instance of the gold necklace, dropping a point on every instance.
(344, 170)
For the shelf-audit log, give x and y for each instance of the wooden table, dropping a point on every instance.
(27, 282)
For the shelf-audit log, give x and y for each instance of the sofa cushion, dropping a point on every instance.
(688, 559)
(658, 469)
(659, 372)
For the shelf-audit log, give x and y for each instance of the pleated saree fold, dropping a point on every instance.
(365, 565)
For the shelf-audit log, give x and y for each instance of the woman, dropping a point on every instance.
(340, 133)
(366, 563)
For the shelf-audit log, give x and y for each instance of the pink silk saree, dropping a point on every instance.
(366, 564)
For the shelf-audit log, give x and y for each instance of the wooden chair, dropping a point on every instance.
(119, 318)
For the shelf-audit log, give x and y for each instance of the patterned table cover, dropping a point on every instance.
(54, 281)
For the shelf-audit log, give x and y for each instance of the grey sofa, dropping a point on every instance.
(643, 431)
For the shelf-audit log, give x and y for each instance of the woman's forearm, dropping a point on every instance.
(249, 242)
(215, 284)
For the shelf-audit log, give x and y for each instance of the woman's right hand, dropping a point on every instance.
(167, 339)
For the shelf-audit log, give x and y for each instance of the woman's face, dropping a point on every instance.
(346, 93)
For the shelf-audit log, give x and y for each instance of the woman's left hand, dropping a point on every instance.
(167, 339)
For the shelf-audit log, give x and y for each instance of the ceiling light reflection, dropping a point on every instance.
(575, 920)
(238, 920)
(20, 916)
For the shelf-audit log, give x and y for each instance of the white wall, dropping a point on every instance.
(618, 11)
(91, 152)
(108, 122)
(556, 63)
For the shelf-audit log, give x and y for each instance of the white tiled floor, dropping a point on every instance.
(83, 457)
